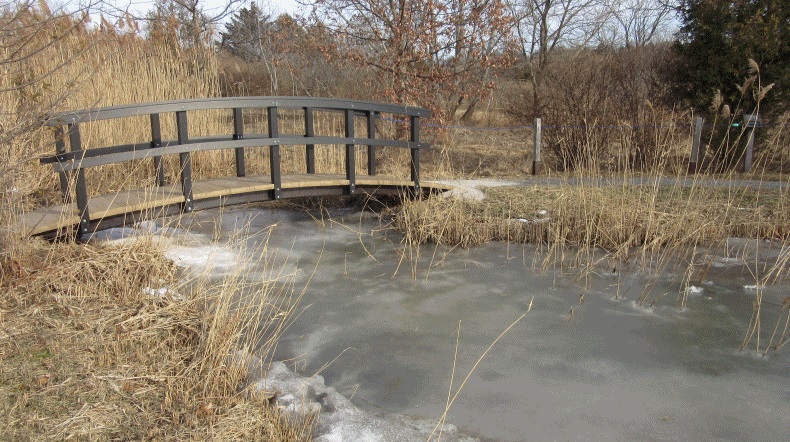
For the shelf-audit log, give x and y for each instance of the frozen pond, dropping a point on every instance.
(605, 369)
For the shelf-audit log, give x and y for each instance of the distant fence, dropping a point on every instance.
(750, 123)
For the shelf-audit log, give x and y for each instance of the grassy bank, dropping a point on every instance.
(92, 347)
(615, 217)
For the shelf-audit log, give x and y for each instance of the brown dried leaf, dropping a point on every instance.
(43, 380)
(205, 409)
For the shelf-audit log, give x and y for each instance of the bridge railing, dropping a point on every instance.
(70, 163)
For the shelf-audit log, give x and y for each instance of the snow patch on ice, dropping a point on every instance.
(694, 290)
(339, 419)
(202, 257)
(724, 261)
(465, 193)
(163, 294)
(472, 189)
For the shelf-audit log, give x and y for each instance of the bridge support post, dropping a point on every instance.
(351, 162)
(415, 153)
(185, 161)
(371, 117)
(75, 140)
(156, 141)
(274, 154)
(238, 134)
(309, 131)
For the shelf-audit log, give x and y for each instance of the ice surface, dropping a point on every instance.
(614, 370)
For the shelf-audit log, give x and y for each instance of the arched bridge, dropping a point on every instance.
(82, 213)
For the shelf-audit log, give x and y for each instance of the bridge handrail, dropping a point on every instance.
(70, 165)
(83, 159)
(133, 110)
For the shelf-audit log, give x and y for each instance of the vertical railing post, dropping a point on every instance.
(351, 174)
(80, 187)
(537, 162)
(414, 139)
(238, 134)
(156, 141)
(695, 145)
(60, 149)
(371, 119)
(309, 132)
(185, 161)
(274, 153)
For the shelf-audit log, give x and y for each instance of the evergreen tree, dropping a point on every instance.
(247, 33)
(716, 42)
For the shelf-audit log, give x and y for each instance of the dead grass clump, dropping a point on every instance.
(618, 218)
(100, 342)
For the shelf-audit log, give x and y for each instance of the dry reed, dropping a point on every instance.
(91, 348)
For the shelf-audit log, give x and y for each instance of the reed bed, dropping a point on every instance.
(610, 213)
(107, 342)
(617, 218)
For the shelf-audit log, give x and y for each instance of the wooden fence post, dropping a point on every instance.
(537, 163)
(751, 121)
(695, 145)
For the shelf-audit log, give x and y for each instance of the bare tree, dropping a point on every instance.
(194, 23)
(635, 23)
(436, 52)
(542, 26)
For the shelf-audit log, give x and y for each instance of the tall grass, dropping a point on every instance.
(89, 69)
(110, 341)
(91, 348)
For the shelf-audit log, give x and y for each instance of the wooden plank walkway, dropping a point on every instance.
(151, 202)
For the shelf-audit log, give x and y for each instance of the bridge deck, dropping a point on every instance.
(113, 209)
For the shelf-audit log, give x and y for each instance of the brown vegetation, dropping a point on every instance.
(87, 353)
(90, 346)
(103, 342)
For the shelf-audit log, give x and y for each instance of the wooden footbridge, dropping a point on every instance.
(81, 214)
